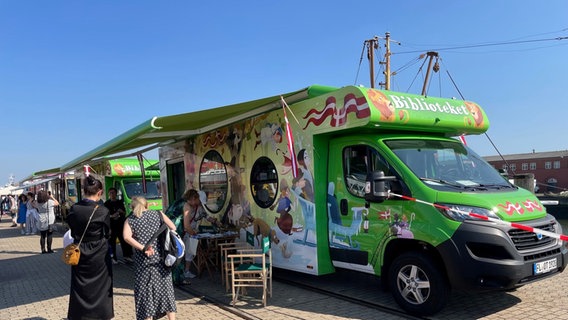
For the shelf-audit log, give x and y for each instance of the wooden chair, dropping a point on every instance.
(252, 268)
(226, 249)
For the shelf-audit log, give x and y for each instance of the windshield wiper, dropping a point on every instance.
(496, 186)
(448, 183)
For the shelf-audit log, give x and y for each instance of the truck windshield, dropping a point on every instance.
(134, 188)
(71, 188)
(447, 164)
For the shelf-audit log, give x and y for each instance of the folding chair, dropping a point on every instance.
(252, 268)
(226, 249)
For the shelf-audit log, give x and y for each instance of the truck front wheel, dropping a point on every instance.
(417, 284)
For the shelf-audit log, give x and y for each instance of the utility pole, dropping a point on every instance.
(431, 55)
(372, 44)
(387, 62)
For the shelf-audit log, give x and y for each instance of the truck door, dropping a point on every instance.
(357, 230)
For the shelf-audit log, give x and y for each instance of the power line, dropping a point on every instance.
(487, 45)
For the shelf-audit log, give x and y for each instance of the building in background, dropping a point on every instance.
(550, 169)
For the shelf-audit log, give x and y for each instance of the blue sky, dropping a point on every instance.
(75, 74)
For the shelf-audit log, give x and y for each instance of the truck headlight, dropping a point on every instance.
(461, 213)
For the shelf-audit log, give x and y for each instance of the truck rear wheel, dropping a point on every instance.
(417, 285)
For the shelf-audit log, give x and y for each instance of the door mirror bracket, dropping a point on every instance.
(375, 189)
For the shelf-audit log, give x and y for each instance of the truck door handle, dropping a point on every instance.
(343, 208)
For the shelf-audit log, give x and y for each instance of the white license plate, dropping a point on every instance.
(544, 266)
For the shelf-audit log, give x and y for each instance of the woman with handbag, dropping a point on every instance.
(45, 204)
(153, 286)
(91, 294)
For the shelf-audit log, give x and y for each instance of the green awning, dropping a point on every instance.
(35, 182)
(41, 174)
(47, 172)
(161, 131)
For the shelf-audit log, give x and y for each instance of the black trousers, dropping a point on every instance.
(47, 234)
(116, 233)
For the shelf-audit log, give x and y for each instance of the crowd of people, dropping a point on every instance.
(31, 213)
(8, 207)
(97, 227)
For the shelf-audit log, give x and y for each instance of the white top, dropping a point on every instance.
(47, 207)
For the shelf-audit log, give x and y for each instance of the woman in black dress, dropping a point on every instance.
(153, 287)
(91, 280)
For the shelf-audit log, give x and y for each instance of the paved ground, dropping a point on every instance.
(35, 286)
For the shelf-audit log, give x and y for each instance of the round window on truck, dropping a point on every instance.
(213, 180)
(264, 182)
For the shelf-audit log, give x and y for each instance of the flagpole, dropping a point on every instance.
(142, 171)
(290, 139)
(285, 105)
(289, 109)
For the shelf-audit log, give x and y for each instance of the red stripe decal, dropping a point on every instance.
(522, 227)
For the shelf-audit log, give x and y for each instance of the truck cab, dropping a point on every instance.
(422, 249)
(126, 175)
(130, 187)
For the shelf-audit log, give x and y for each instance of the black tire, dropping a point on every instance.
(417, 284)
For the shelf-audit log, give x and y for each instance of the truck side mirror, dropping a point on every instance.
(504, 173)
(375, 190)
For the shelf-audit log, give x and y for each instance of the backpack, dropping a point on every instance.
(173, 248)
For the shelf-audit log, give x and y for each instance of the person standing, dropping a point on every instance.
(31, 214)
(153, 286)
(2, 206)
(45, 204)
(21, 219)
(14, 210)
(117, 212)
(175, 213)
(91, 294)
(193, 213)
(6, 206)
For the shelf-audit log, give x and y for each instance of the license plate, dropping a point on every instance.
(544, 266)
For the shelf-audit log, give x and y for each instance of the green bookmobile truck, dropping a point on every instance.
(372, 181)
(125, 175)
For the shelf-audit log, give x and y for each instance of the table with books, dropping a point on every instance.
(207, 253)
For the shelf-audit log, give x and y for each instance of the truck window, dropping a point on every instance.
(135, 188)
(447, 164)
(264, 182)
(358, 161)
(71, 189)
(213, 180)
(119, 193)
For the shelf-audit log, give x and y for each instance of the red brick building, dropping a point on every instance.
(550, 169)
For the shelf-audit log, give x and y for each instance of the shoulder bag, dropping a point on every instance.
(72, 253)
(171, 244)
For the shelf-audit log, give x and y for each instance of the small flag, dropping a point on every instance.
(290, 140)
(142, 172)
(462, 139)
(87, 170)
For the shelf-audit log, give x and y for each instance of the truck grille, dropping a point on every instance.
(525, 240)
